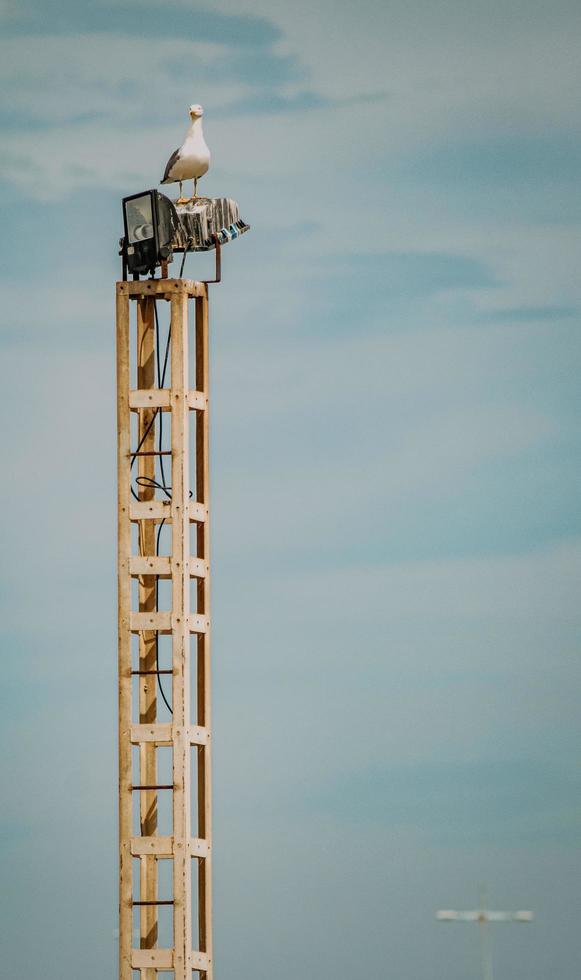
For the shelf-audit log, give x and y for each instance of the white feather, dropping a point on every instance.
(193, 158)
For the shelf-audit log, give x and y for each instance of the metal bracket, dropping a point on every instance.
(218, 272)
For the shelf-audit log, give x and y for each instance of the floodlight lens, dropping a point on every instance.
(139, 219)
(142, 232)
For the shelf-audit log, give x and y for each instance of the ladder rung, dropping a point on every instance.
(142, 787)
(158, 622)
(164, 623)
(163, 959)
(149, 398)
(150, 452)
(161, 398)
(160, 510)
(159, 734)
(160, 846)
(165, 734)
(163, 847)
(145, 673)
(157, 901)
(150, 510)
(160, 565)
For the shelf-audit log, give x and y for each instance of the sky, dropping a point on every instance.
(395, 474)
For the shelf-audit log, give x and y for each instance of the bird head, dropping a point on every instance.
(196, 111)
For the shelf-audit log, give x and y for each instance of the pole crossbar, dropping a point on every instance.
(483, 917)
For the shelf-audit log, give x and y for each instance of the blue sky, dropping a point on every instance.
(396, 529)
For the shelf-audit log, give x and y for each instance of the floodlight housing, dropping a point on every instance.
(150, 222)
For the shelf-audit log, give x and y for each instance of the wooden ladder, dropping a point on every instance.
(141, 623)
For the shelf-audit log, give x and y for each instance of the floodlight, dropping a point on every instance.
(150, 221)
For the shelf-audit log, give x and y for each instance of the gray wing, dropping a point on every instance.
(166, 179)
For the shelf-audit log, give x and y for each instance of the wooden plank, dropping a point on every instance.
(201, 961)
(182, 865)
(198, 624)
(150, 565)
(124, 638)
(198, 512)
(159, 734)
(161, 566)
(197, 400)
(198, 568)
(148, 914)
(204, 770)
(161, 847)
(144, 398)
(199, 735)
(156, 621)
(147, 510)
(199, 848)
(161, 287)
(160, 398)
(160, 959)
(160, 510)
(163, 734)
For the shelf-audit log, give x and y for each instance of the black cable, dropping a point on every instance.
(160, 384)
(186, 250)
(159, 684)
(151, 482)
(141, 441)
(162, 485)
(146, 481)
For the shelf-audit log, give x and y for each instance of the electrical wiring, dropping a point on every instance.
(144, 481)
(151, 482)
(162, 486)
(186, 250)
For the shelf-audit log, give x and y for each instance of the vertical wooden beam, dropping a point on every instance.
(124, 642)
(181, 637)
(203, 640)
(147, 640)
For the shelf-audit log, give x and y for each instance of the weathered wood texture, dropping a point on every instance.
(139, 723)
(124, 639)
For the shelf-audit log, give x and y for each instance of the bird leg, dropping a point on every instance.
(195, 188)
(182, 200)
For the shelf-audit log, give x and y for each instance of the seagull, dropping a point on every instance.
(192, 159)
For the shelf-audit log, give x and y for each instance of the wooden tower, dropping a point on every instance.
(147, 504)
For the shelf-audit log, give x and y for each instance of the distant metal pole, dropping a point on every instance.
(486, 954)
(485, 941)
(484, 917)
